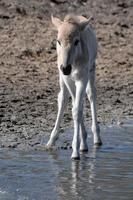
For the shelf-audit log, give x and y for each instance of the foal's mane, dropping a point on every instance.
(73, 19)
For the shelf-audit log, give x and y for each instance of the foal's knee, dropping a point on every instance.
(60, 96)
(91, 95)
(63, 96)
(77, 114)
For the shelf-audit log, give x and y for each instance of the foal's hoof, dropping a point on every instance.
(50, 144)
(50, 147)
(84, 150)
(75, 156)
(98, 144)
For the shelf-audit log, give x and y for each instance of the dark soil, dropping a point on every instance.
(29, 74)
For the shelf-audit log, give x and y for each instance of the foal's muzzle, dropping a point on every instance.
(66, 70)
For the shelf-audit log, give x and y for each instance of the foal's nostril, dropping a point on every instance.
(66, 70)
(69, 66)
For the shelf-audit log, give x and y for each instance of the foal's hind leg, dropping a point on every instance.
(83, 138)
(91, 93)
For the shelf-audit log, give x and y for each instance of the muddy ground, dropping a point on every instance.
(28, 70)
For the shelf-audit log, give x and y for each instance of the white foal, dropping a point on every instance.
(77, 50)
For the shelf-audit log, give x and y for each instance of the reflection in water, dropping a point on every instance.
(79, 182)
(74, 177)
(104, 173)
(78, 169)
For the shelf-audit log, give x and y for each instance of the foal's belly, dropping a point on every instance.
(75, 76)
(79, 74)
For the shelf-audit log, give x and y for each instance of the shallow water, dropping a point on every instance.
(104, 173)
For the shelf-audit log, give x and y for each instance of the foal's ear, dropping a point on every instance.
(56, 21)
(84, 23)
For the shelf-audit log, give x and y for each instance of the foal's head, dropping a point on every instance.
(68, 40)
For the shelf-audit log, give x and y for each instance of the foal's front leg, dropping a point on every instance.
(83, 137)
(77, 112)
(63, 97)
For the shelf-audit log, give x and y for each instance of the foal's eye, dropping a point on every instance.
(58, 41)
(76, 42)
